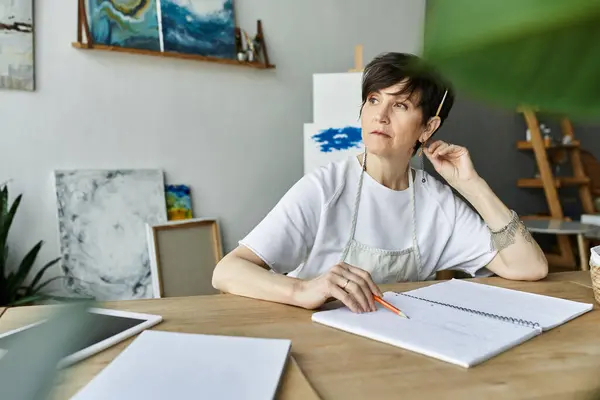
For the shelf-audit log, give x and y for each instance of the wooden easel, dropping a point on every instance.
(547, 181)
(358, 59)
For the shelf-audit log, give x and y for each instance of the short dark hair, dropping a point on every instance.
(388, 69)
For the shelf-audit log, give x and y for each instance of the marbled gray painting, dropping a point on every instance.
(16, 45)
(101, 217)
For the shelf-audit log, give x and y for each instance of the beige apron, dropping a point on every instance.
(385, 266)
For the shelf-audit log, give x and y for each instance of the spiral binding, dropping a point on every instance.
(512, 320)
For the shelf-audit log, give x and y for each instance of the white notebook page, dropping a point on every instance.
(548, 311)
(172, 365)
(433, 330)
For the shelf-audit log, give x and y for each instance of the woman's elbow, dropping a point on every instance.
(234, 271)
(219, 275)
(543, 268)
(538, 270)
(525, 270)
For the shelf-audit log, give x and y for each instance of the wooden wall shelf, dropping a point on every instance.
(83, 28)
(184, 56)
(525, 145)
(558, 182)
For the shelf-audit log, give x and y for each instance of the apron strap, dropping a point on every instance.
(414, 221)
(355, 211)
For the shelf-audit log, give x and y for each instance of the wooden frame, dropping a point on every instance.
(187, 249)
(88, 44)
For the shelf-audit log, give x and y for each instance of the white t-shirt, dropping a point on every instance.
(304, 235)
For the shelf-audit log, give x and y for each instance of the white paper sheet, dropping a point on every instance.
(595, 256)
(173, 365)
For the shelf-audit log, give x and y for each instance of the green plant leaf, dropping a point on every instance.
(3, 263)
(27, 300)
(23, 270)
(68, 299)
(3, 246)
(5, 223)
(538, 53)
(38, 276)
(3, 201)
(34, 290)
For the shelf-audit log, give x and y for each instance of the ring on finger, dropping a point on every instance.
(346, 284)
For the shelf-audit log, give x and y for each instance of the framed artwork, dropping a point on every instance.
(199, 27)
(202, 27)
(183, 255)
(16, 45)
(102, 215)
(179, 202)
(132, 24)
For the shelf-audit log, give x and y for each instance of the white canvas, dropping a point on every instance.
(325, 143)
(102, 215)
(16, 45)
(337, 97)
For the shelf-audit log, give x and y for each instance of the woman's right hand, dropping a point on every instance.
(352, 286)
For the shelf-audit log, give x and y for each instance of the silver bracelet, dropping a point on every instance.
(505, 236)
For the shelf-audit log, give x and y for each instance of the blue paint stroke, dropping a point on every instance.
(186, 31)
(179, 191)
(131, 25)
(345, 138)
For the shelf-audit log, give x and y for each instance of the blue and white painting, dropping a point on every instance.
(335, 133)
(324, 143)
(124, 23)
(102, 217)
(202, 27)
(16, 45)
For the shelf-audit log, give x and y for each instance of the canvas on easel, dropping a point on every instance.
(335, 132)
(183, 255)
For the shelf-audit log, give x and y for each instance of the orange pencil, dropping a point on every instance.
(389, 306)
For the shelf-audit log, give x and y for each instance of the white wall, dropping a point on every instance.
(95, 109)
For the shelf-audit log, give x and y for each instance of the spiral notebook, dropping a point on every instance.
(458, 321)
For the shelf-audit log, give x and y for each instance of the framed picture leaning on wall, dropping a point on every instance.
(183, 255)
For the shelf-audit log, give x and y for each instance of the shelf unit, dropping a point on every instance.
(550, 184)
(558, 182)
(83, 29)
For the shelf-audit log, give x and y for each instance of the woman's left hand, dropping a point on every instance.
(451, 161)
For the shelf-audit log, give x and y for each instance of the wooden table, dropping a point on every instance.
(562, 363)
(580, 278)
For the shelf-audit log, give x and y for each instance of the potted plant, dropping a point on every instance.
(13, 289)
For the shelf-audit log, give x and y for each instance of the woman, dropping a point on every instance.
(350, 225)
